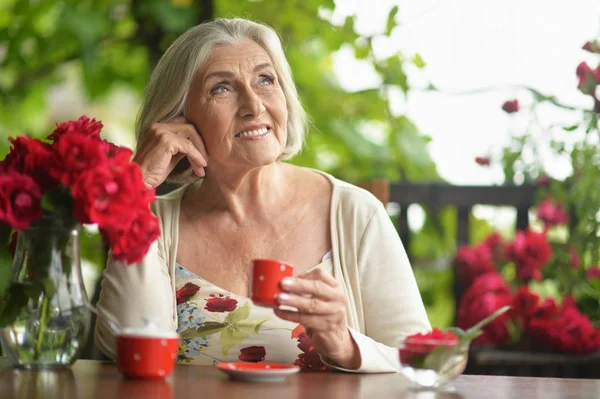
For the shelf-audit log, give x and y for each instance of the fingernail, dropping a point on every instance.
(287, 282)
(283, 297)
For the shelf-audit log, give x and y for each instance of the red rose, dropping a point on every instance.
(20, 198)
(551, 213)
(74, 154)
(588, 78)
(497, 245)
(473, 261)
(488, 293)
(491, 282)
(483, 161)
(221, 305)
(131, 241)
(83, 126)
(570, 332)
(530, 251)
(418, 346)
(186, 292)
(546, 310)
(30, 157)
(253, 354)
(524, 304)
(510, 106)
(593, 272)
(123, 154)
(106, 193)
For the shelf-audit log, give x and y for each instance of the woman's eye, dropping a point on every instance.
(218, 89)
(267, 80)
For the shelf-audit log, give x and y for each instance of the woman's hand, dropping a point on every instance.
(164, 145)
(321, 304)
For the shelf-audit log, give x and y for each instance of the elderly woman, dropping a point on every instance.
(220, 117)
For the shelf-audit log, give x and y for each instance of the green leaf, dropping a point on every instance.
(206, 329)
(12, 303)
(362, 49)
(459, 332)
(239, 314)
(231, 337)
(475, 331)
(571, 128)
(251, 325)
(391, 21)
(418, 61)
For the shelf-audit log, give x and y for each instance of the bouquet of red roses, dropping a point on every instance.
(76, 174)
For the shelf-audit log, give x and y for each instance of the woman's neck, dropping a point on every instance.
(259, 192)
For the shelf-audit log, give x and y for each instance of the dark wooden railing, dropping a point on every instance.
(463, 198)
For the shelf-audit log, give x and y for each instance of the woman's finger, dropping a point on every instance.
(185, 145)
(315, 288)
(311, 305)
(314, 322)
(319, 274)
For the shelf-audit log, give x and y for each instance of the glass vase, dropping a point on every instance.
(48, 323)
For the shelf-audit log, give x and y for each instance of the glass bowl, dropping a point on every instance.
(432, 363)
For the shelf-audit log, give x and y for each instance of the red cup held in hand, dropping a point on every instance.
(266, 277)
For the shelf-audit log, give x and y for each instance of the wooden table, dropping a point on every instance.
(92, 379)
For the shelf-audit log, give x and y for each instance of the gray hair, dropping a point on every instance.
(167, 91)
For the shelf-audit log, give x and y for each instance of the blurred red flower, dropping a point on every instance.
(473, 261)
(20, 200)
(488, 293)
(511, 106)
(530, 251)
(551, 213)
(420, 345)
(593, 272)
(588, 78)
(483, 161)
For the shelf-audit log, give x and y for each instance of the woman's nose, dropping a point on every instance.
(250, 104)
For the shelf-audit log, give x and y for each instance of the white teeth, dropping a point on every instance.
(256, 132)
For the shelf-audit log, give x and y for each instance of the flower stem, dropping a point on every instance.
(42, 328)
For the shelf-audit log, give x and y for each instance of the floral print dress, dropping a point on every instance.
(217, 325)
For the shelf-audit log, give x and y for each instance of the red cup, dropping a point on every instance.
(266, 276)
(146, 356)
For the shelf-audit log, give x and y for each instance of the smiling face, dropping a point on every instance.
(238, 107)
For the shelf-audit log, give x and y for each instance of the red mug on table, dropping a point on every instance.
(266, 277)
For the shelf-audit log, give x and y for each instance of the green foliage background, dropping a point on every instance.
(108, 48)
